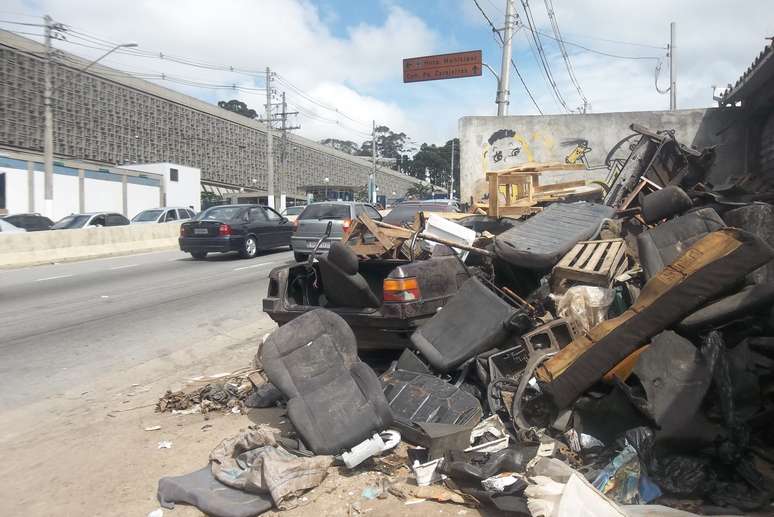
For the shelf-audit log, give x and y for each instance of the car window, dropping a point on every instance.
(405, 213)
(116, 220)
(171, 215)
(294, 210)
(70, 222)
(147, 215)
(184, 214)
(372, 212)
(257, 215)
(221, 213)
(272, 215)
(97, 220)
(325, 211)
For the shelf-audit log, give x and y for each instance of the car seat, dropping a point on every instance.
(475, 320)
(335, 400)
(341, 282)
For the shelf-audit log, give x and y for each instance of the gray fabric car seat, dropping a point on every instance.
(342, 284)
(660, 246)
(335, 400)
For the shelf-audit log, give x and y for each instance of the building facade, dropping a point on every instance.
(109, 117)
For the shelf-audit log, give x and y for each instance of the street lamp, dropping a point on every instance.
(326, 180)
(100, 58)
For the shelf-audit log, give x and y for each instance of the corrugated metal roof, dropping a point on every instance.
(758, 73)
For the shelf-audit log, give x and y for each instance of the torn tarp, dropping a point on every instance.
(254, 462)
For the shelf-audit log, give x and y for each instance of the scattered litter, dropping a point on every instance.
(165, 444)
(158, 512)
(153, 428)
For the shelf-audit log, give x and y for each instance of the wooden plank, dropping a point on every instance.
(518, 210)
(369, 223)
(543, 166)
(588, 249)
(565, 185)
(368, 249)
(570, 255)
(619, 262)
(616, 239)
(607, 264)
(494, 190)
(597, 256)
(516, 179)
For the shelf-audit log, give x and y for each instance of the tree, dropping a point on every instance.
(419, 191)
(388, 145)
(345, 146)
(238, 107)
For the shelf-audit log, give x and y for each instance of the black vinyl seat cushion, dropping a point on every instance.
(660, 246)
(335, 400)
(542, 240)
(473, 321)
(341, 282)
(662, 204)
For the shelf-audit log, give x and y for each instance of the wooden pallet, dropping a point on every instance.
(592, 263)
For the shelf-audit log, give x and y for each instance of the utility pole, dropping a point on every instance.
(372, 179)
(451, 189)
(672, 69)
(48, 128)
(269, 142)
(503, 85)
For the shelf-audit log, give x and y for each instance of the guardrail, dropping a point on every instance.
(33, 248)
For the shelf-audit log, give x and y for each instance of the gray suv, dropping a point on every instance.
(312, 222)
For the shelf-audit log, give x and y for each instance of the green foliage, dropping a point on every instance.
(238, 107)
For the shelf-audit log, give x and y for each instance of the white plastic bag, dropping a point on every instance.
(584, 305)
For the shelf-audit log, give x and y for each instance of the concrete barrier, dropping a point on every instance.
(33, 248)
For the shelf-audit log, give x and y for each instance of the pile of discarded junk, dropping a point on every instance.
(614, 355)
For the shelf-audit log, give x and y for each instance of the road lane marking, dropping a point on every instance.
(124, 266)
(52, 278)
(255, 265)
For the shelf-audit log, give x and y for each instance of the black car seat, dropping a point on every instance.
(341, 282)
(335, 401)
(542, 240)
(473, 321)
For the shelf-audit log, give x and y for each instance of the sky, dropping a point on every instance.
(340, 61)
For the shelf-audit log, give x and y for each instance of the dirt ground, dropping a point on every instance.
(86, 451)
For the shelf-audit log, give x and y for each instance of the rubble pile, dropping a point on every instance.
(615, 355)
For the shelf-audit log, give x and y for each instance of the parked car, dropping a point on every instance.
(312, 222)
(242, 228)
(163, 215)
(404, 213)
(6, 227)
(406, 294)
(291, 212)
(30, 222)
(90, 220)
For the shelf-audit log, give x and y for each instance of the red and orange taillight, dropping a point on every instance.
(401, 290)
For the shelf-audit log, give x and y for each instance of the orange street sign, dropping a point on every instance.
(443, 66)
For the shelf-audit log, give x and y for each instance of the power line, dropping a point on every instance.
(321, 104)
(541, 52)
(513, 63)
(22, 23)
(587, 49)
(620, 42)
(565, 57)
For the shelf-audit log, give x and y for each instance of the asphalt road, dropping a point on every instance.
(62, 323)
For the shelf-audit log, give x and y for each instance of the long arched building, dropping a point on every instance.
(109, 117)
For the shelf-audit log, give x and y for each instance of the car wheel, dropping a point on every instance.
(250, 248)
(300, 257)
(199, 255)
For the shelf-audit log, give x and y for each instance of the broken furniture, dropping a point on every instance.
(662, 204)
(426, 408)
(522, 189)
(595, 263)
(342, 284)
(540, 242)
(713, 264)
(335, 401)
(473, 321)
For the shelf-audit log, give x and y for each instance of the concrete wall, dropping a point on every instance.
(494, 143)
(185, 192)
(31, 248)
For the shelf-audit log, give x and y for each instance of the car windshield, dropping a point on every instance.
(71, 221)
(221, 213)
(325, 211)
(406, 213)
(147, 215)
(294, 210)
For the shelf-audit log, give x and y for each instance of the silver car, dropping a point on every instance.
(163, 215)
(312, 222)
